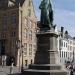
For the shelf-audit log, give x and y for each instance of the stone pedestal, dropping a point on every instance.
(47, 48)
(46, 58)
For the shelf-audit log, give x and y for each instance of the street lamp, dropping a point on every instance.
(20, 46)
(22, 60)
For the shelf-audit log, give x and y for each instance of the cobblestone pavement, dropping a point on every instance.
(6, 70)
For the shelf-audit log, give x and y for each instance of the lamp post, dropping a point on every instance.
(22, 60)
(20, 46)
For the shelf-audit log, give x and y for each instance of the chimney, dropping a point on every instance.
(62, 32)
(66, 34)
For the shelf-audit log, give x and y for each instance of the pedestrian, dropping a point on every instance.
(2, 63)
(71, 73)
(11, 68)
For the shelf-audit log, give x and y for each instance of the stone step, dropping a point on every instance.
(45, 67)
(45, 72)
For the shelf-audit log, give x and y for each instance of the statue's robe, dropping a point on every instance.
(46, 13)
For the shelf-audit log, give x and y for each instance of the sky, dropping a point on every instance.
(64, 14)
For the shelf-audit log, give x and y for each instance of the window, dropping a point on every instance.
(2, 42)
(25, 33)
(66, 54)
(68, 47)
(34, 49)
(13, 19)
(62, 54)
(70, 54)
(13, 34)
(64, 44)
(5, 19)
(30, 49)
(30, 35)
(34, 37)
(61, 43)
(25, 49)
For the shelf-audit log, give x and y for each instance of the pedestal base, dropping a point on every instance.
(42, 72)
(46, 58)
(47, 69)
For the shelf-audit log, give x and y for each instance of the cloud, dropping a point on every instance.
(66, 19)
(64, 13)
(37, 14)
(63, 18)
(64, 4)
(36, 6)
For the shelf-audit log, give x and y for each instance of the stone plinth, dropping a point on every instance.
(46, 58)
(47, 48)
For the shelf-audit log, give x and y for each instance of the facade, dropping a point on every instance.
(65, 54)
(17, 23)
(66, 47)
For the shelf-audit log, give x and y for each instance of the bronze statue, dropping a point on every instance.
(46, 13)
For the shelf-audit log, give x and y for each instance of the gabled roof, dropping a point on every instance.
(68, 37)
(17, 2)
(12, 1)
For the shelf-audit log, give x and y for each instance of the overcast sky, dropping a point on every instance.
(64, 14)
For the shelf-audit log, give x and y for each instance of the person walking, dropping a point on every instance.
(71, 73)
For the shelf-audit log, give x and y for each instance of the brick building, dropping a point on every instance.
(17, 22)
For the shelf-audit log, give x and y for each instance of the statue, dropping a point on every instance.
(46, 13)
